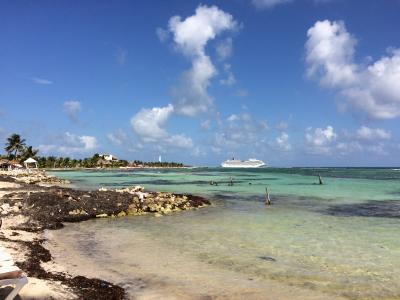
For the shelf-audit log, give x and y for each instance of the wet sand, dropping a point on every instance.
(152, 271)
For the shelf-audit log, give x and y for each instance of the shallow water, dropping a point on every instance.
(340, 239)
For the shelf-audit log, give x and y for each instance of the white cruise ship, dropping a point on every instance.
(236, 163)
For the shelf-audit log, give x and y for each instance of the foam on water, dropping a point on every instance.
(340, 239)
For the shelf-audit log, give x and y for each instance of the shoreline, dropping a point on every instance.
(29, 209)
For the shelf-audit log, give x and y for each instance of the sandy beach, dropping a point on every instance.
(29, 210)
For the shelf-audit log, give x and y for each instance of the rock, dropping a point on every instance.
(102, 189)
(77, 212)
(267, 258)
(132, 209)
(121, 214)
(102, 216)
(5, 206)
(158, 215)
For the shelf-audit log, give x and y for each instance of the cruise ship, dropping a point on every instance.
(236, 163)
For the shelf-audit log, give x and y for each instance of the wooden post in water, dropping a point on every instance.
(320, 179)
(267, 199)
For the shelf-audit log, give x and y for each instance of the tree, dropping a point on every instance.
(28, 152)
(14, 145)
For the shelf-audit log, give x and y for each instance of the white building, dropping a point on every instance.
(108, 157)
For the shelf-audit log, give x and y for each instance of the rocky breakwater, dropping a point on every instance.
(39, 178)
(49, 208)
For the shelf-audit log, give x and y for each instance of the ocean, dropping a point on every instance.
(331, 241)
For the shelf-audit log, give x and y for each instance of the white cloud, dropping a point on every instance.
(372, 89)
(224, 49)
(345, 148)
(240, 131)
(162, 34)
(191, 36)
(41, 80)
(320, 140)
(232, 118)
(263, 4)
(378, 149)
(366, 133)
(180, 141)
(330, 51)
(148, 123)
(71, 109)
(69, 143)
(282, 141)
(364, 139)
(118, 138)
(206, 125)
(282, 125)
(191, 97)
(230, 79)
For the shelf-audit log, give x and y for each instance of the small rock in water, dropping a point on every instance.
(267, 258)
(102, 216)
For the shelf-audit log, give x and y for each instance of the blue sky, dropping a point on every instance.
(295, 83)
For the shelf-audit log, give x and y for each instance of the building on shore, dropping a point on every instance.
(109, 157)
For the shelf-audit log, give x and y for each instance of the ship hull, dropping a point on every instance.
(242, 165)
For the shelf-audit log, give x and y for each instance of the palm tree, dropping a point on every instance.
(29, 152)
(14, 145)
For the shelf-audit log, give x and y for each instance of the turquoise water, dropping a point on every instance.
(340, 239)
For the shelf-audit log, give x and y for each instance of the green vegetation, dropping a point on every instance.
(15, 145)
(17, 149)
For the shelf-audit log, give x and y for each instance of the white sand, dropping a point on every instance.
(36, 288)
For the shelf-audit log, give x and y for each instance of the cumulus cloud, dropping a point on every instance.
(149, 126)
(264, 4)
(71, 109)
(191, 36)
(371, 89)
(366, 133)
(282, 142)
(148, 123)
(126, 142)
(238, 132)
(230, 78)
(282, 125)
(206, 124)
(348, 147)
(162, 34)
(320, 140)
(69, 143)
(41, 81)
(180, 140)
(364, 139)
(191, 96)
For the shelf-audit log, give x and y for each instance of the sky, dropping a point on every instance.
(290, 82)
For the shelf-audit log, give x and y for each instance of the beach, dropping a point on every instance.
(31, 204)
